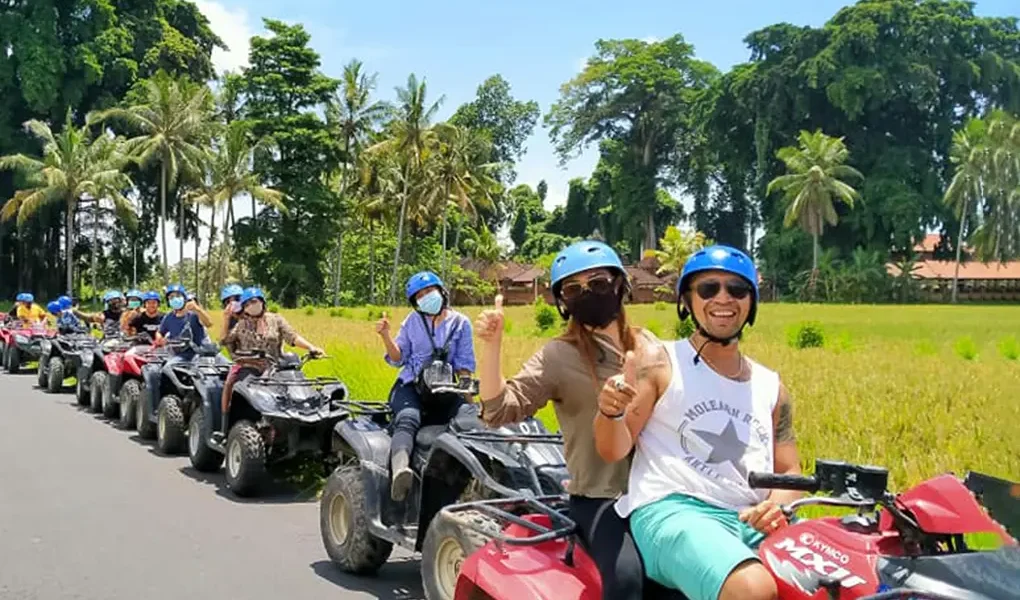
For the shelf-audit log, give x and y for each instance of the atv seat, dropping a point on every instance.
(427, 435)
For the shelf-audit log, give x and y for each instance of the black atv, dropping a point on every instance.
(190, 385)
(163, 378)
(61, 356)
(273, 417)
(462, 460)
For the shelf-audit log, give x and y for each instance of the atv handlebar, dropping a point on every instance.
(778, 481)
(908, 594)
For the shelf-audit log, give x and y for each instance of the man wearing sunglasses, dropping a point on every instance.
(694, 518)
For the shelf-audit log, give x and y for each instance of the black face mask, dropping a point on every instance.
(595, 310)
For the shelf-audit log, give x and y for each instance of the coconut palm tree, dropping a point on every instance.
(970, 155)
(172, 124)
(815, 180)
(73, 166)
(676, 247)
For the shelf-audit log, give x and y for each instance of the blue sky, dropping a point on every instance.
(536, 46)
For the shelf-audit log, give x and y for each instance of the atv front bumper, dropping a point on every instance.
(30, 349)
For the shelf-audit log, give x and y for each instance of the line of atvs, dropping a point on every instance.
(487, 510)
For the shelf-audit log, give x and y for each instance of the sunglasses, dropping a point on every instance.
(600, 285)
(736, 288)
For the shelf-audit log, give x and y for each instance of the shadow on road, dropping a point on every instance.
(399, 579)
(274, 491)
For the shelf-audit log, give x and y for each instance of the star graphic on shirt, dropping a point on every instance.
(726, 446)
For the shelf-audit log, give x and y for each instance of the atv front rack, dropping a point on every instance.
(364, 407)
(908, 594)
(507, 438)
(498, 508)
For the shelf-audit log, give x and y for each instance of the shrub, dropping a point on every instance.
(660, 305)
(684, 329)
(545, 315)
(309, 310)
(273, 306)
(965, 348)
(806, 335)
(1009, 348)
(338, 312)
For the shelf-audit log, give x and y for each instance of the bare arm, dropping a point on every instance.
(614, 439)
(786, 457)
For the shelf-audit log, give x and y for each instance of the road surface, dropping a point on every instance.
(88, 511)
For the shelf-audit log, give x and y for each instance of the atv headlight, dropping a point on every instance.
(45, 346)
(20, 338)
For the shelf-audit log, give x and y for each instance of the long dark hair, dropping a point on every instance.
(582, 338)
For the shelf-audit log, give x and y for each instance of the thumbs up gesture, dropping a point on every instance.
(620, 390)
(489, 325)
(382, 326)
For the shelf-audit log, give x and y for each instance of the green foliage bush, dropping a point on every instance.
(545, 315)
(684, 329)
(965, 348)
(806, 335)
(1009, 348)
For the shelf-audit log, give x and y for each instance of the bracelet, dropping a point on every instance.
(612, 417)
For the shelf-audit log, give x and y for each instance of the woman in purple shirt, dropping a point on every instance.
(433, 331)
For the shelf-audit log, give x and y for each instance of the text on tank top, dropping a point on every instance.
(704, 436)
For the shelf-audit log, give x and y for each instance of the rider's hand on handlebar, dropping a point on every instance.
(620, 390)
(382, 326)
(766, 517)
(489, 325)
(316, 352)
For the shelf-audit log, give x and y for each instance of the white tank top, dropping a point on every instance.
(704, 435)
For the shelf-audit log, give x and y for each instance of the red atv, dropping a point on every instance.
(22, 343)
(911, 547)
(122, 383)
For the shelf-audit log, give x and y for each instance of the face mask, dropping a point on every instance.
(133, 304)
(431, 303)
(595, 310)
(255, 309)
(177, 303)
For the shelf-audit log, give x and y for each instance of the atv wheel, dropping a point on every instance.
(129, 395)
(170, 426)
(96, 391)
(81, 391)
(111, 409)
(146, 429)
(447, 543)
(40, 373)
(203, 458)
(246, 459)
(344, 524)
(55, 376)
(13, 363)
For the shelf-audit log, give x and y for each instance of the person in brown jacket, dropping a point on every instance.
(589, 285)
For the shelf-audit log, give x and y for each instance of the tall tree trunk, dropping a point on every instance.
(336, 271)
(134, 261)
(68, 237)
(162, 221)
(959, 248)
(371, 260)
(213, 283)
(198, 241)
(446, 256)
(400, 238)
(95, 242)
(225, 250)
(180, 232)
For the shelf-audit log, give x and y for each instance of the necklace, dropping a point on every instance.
(740, 368)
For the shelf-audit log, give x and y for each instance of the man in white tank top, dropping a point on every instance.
(694, 518)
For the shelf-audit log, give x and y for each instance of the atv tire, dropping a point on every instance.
(203, 458)
(40, 374)
(129, 396)
(246, 459)
(111, 409)
(344, 524)
(13, 362)
(146, 429)
(81, 391)
(96, 391)
(171, 430)
(447, 543)
(54, 375)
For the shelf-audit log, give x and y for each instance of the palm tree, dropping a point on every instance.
(172, 123)
(677, 246)
(814, 181)
(353, 116)
(73, 166)
(411, 133)
(970, 155)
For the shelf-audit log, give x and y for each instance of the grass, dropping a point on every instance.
(921, 390)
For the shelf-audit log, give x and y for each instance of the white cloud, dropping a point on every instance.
(232, 25)
(651, 39)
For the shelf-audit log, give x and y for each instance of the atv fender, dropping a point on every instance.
(371, 446)
(212, 409)
(260, 398)
(114, 363)
(169, 376)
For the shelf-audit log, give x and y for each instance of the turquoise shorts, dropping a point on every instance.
(690, 545)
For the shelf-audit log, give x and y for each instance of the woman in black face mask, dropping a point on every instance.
(589, 285)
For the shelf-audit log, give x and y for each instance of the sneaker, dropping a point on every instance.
(402, 479)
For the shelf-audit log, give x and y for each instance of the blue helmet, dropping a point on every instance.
(25, 297)
(53, 307)
(719, 258)
(420, 281)
(65, 302)
(134, 294)
(252, 293)
(174, 287)
(230, 290)
(582, 256)
(112, 295)
(151, 295)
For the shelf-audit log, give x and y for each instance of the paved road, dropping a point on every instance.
(91, 512)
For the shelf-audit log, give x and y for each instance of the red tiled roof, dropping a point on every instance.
(944, 269)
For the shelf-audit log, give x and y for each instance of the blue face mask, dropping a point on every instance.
(431, 303)
(177, 302)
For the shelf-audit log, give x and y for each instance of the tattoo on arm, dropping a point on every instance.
(656, 359)
(784, 420)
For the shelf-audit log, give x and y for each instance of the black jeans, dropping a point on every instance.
(606, 537)
(409, 414)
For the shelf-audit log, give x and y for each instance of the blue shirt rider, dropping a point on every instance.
(431, 328)
(230, 301)
(67, 322)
